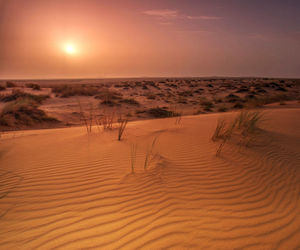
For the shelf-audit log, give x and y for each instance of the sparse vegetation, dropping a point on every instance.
(107, 121)
(130, 101)
(10, 84)
(23, 113)
(122, 125)
(161, 113)
(86, 119)
(133, 157)
(149, 154)
(18, 94)
(244, 125)
(65, 91)
(33, 86)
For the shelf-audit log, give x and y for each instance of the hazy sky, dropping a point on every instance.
(120, 38)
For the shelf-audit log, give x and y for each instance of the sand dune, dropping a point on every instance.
(63, 189)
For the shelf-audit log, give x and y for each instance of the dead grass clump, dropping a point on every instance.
(122, 125)
(244, 126)
(65, 91)
(23, 113)
(18, 94)
(107, 121)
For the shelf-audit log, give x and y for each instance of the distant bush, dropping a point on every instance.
(18, 94)
(23, 113)
(2, 88)
(109, 103)
(207, 105)
(161, 112)
(34, 86)
(151, 96)
(232, 98)
(130, 101)
(65, 91)
(222, 109)
(238, 105)
(108, 95)
(10, 85)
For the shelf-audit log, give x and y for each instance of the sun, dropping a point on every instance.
(70, 49)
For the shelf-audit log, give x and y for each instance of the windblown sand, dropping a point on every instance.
(63, 189)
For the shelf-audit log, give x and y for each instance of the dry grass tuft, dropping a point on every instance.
(122, 125)
(244, 126)
(107, 121)
(133, 156)
(86, 119)
(149, 153)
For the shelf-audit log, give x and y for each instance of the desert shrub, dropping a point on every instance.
(217, 100)
(207, 105)
(222, 109)
(151, 96)
(130, 101)
(10, 84)
(242, 89)
(109, 103)
(18, 94)
(65, 91)
(281, 89)
(23, 113)
(33, 86)
(182, 100)
(2, 88)
(232, 98)
(108, 97)
(238, 105)
(161, 112)
(263, 100)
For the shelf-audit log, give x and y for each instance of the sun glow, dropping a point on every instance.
(70, 49)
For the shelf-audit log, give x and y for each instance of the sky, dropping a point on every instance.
(159, 38)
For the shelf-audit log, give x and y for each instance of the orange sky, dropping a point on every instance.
(148, 38)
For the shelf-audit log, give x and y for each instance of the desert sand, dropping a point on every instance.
(64, 189)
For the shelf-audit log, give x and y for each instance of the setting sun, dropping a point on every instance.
(70, 49)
